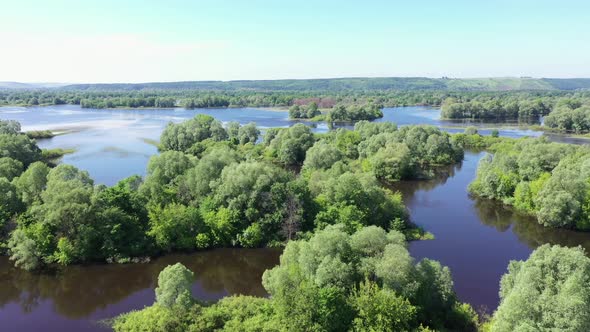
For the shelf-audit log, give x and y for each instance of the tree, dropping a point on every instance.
(163, 173)
(290, 145)
(32, 182)
(381, 309)
(67, 210)
(197, 181)
(19, 147)
(322, 155)
(180, 137)
(174, 286)
(392, 163)
(9, 127)
(256, 193)
(471, 131)
(10, 168)
(248, 133)
(122, 220)
(9, 202)
(547, 292)
(23, 251)
(175, 226)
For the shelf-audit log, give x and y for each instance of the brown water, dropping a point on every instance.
(76, 298)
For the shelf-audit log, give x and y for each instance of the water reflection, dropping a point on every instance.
(102, 291)
(476, 238)
(526, 228)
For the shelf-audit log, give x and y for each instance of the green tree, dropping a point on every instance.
(10, 168)
(23, 251)
(180, 137)
(322, 155)
(19, 147)
(174, 286)
(290, 145)
(164, 171)
(381, 310)
(547, 292)
(32, 182)
(175, 226)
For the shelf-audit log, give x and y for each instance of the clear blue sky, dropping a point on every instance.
(137, 41)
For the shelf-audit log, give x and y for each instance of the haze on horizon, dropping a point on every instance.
(152, 41)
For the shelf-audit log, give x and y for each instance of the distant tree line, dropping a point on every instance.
(481, 103)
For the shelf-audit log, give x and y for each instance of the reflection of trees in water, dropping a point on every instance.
(493, 214)
(438, 177)
(526, 228)
(78, 291)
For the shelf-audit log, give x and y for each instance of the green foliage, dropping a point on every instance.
(174, 287)
(19, 147)
(157, 318)
(290, 145)
(342, 113)
(569, 118)
(23, 251)
(334, 262)
(9, 127)
(471, 131)
(9, 202)
(31, 183)
(353, 198)
(304, 111)
(164, 171)
(322, 155)
(255, 192)
(496, 106)
(547, 292)
(175, 226)
(10, 168)
(180, 137)
(549, 180)
(380, 309)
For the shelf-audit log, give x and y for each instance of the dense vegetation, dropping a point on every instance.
(570, 115)
(496, 107)
(304, 111)
(367, 281)
(548, 180)
(547, 292)
(563, 112)
(350, 113)
(335, 281)
(215, 186)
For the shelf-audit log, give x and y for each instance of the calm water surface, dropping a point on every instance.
(77, 298)
(475, 238)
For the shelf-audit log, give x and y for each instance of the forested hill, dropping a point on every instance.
(357, 84)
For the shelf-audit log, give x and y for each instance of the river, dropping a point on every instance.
(475, 238)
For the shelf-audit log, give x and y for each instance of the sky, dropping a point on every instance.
(179, 40)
